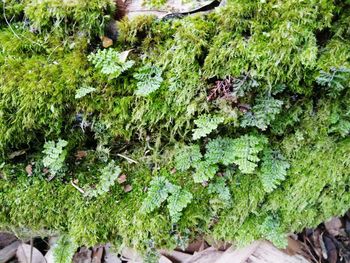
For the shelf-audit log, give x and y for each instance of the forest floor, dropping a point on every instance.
(329, 242)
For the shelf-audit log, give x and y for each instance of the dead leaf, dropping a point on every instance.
(106, 42)
(16, 154)
(127, 188)
(80, 155)
(333, 226)
(332, 252)
(208, 255)
(97, 253)
(163, 259)
(121, 179)
(46, 171)
(124, 55)
(29, 169)
(109, 256)
(6, 239)
(9, 251)
(130, 255)
(173, 171)
(176, 256)
(83, 256)
(197, 245)
(25, 252)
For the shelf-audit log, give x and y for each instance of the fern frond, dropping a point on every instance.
(336, 80)
(219, 150)
(109, 175)
(205, 125)
(158, 192)
(263, 112)
(220, 188)
(178, 200)
(204, 171)
(64, 249)
(273, 170)
(110, 62)
(83, 91)
(55, 156)
(270, 229)
(149, 79)
(187, 156)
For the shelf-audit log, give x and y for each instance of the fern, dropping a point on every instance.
(178, 200)
(204, 171)
(187, 156)
(219, 187)
(205, 125)
(271, 230)
(246, 150)
(83, 91)
(110, 62)
(262, 113)
(220, 150)
(149, 79)
(336, 80)
(64, 250)
(158, 192)
(273, 170)
(109, 174)
(55, 156)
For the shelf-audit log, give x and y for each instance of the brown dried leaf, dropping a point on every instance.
(121, 179)
(333, 226)
(17, 153)
(29, 169)
(332, 252)
(127, 188)
(80, 155)
(106, 42)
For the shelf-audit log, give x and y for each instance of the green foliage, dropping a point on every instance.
(205, 125)
(263, 113)
(110, 62)
(204, 171)
(64, 249)
(55, 156)
(83, 91)
(149, 79)
(335, 81)
(158, 192)
(270, 229)
(187, 156)
(273, 170)
(109, 174)
(220, 188)
(178, 201)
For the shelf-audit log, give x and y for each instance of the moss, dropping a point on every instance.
(243, 53)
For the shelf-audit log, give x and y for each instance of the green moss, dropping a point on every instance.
(225, 63)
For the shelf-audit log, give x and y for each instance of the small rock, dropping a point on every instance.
(127, 188)
(25, 251)
(121, 179)
(106, 42)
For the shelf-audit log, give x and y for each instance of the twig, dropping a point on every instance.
(127, 158)
(31, 250)
(77, 187)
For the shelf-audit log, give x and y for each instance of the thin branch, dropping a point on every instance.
(127, 158)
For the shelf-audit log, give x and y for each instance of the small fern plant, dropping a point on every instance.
(55, 155)
(161, 190)
(273, 170)
(111, 62)
(243, 152)
(271, 230)
(335, 80)
(149, 79)
(205, 125)
(109, 174)
(64, 249)
(83, 91)
(263, 113)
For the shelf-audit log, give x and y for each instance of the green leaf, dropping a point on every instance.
(64, 250)
(55, 156)
(149, 79)
(158, 192)
(83, 91)
(205, 125)
(187, 156)
(109, 174)
(273, 170)
(204, 171)
(220, 188)
(178, 200)
(263, 113)
(271, 230)
(110, 62)
(220, 150)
